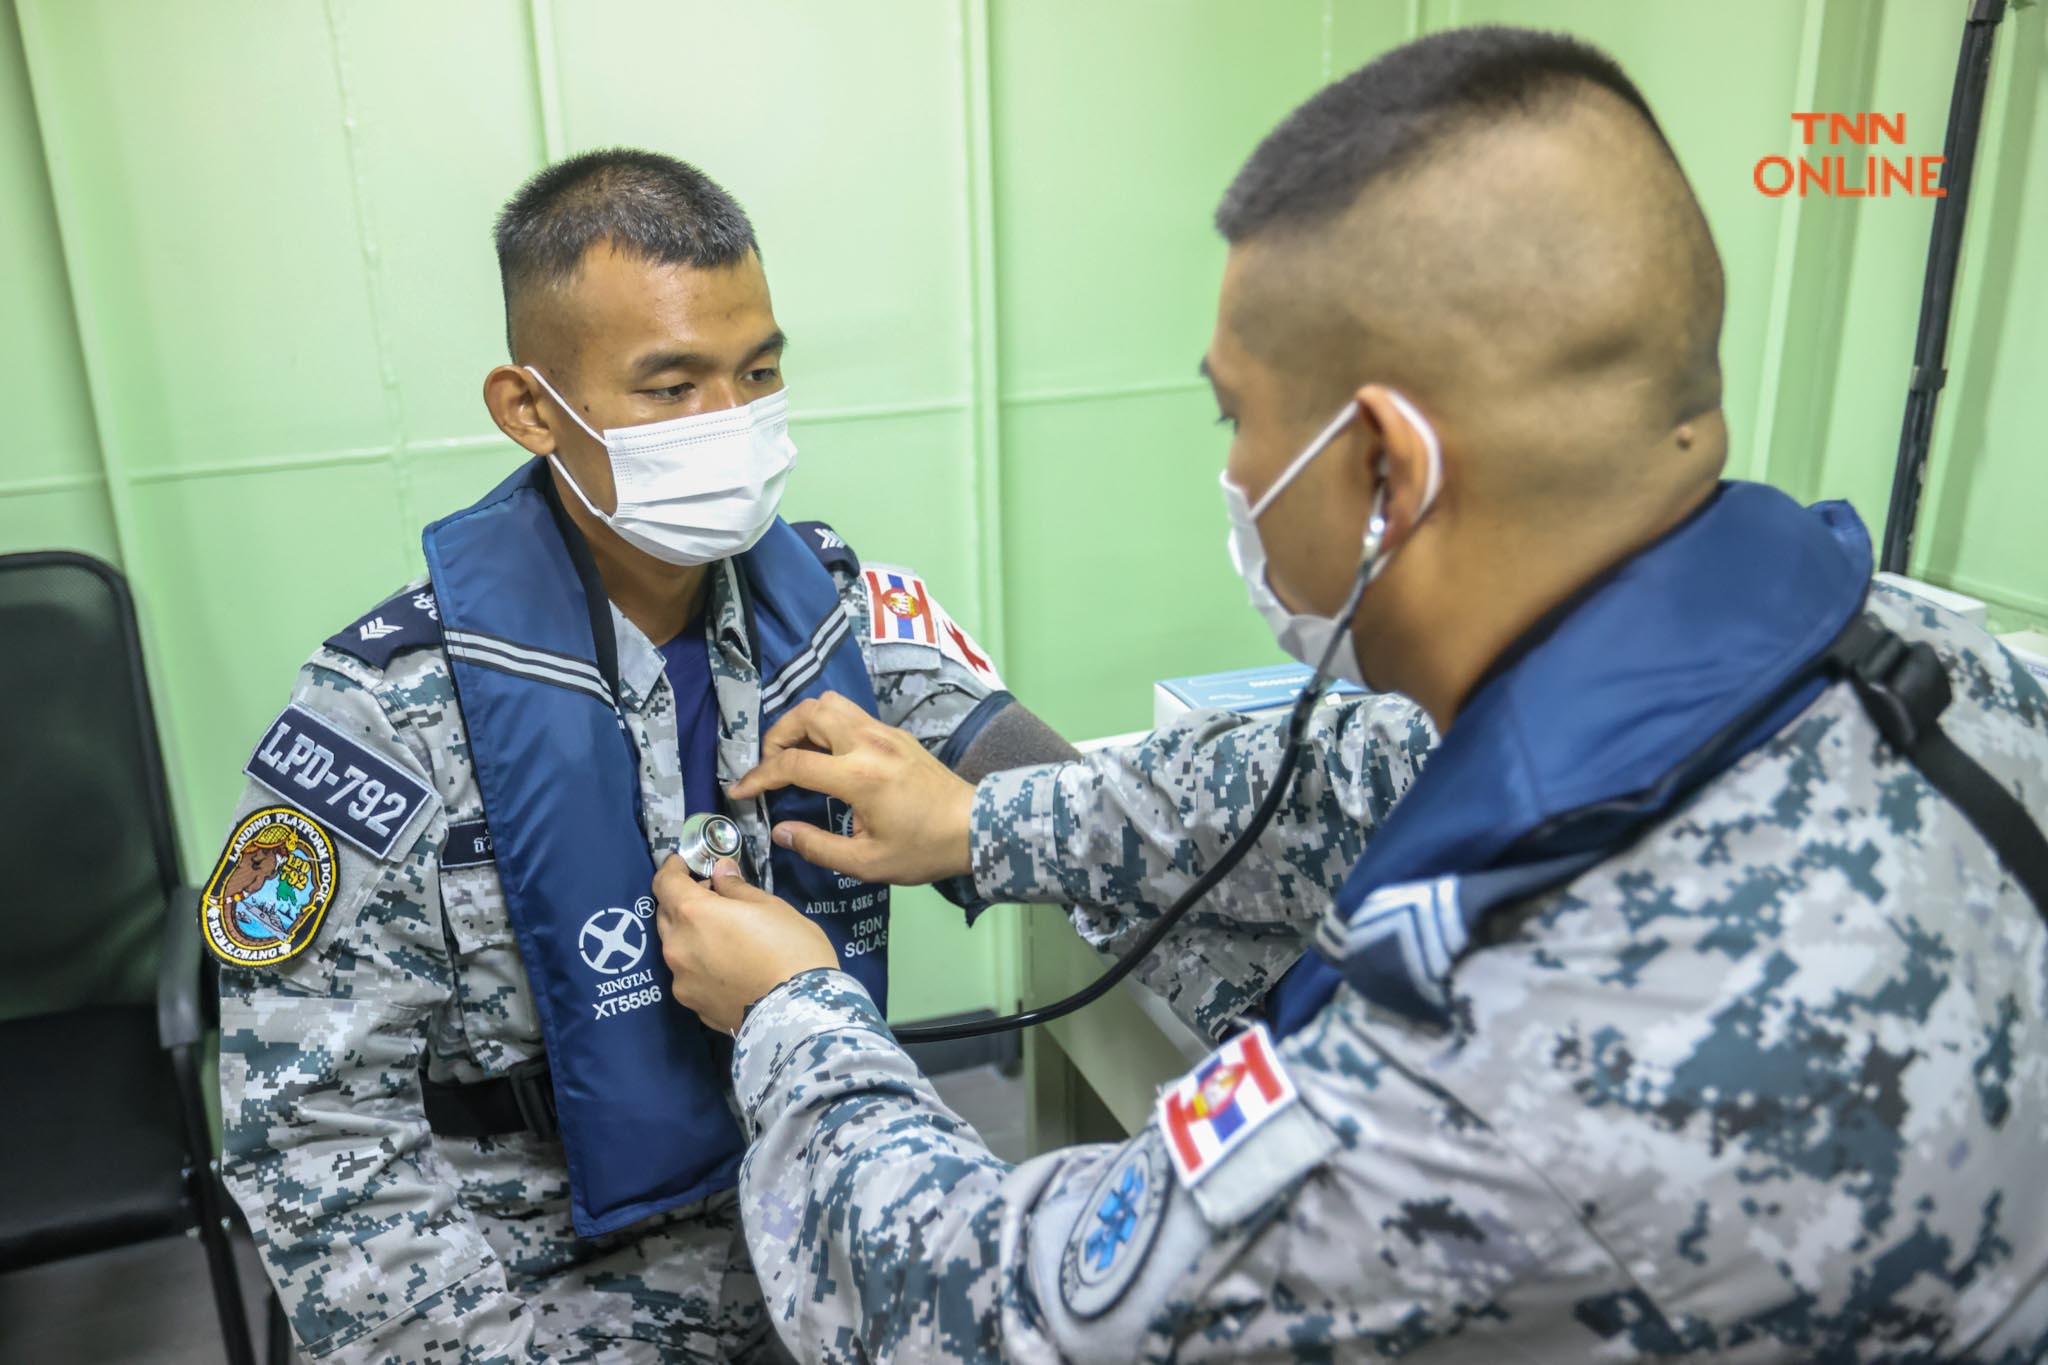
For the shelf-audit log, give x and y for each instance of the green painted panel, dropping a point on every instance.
(1880, 300)
(1118, 571)
(897, 489)
(58, 519)
(202, 175)
(49, 411)
(1981, 522)
(1360, 30)
(937, 965)
(1682, 57)
(267, 566)
(435, 482)
(1116, 129)
(839, 128)
(275, 221)
(439, 142)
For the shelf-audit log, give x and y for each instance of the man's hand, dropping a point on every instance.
(910, 814)
(728, 943)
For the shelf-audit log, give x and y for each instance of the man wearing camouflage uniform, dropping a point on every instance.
(390, 966)
(1669, 1006)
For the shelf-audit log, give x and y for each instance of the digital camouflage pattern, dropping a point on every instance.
(388, 1243)
(1768, 1085)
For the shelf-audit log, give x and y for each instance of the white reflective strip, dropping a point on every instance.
(597, 694)
(797, 674)
(536, 673)
(523, 669)
(822, 642)
(473, 651)
(801, 671)
(527, 654)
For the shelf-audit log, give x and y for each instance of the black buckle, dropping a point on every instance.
(533, 1090)
(1904, 687)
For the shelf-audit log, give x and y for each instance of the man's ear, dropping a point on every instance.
(513, 397)
(1403, 460)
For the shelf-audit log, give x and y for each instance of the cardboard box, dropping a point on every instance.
(1249, 690)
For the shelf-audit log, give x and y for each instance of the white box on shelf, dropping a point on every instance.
(1971, 609)
(2030, 647)
(1249, 690)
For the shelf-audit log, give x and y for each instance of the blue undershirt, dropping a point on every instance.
(687, 661)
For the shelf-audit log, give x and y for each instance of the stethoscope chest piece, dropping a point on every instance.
(706, 839)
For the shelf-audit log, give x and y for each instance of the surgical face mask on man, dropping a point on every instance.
(1304, 635)
(696, 489)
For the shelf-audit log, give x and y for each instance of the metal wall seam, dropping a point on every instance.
(1944, 493)
(547, 80)
(1094, 393)
(50, 483)
(986, 519)
(42, 81)
(1785, 256)
(979, 144)
(373, 277)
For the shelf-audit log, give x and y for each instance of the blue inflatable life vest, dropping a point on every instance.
(639, 1083)
(1600, 722)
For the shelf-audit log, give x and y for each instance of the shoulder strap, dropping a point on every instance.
(1905, 689)
(824, 542)
(406, 620)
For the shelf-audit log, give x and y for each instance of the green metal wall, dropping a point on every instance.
(250, 299)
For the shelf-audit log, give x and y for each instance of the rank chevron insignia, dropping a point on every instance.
(1421, 921)
(376, 629)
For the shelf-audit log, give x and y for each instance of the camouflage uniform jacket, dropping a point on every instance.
(1769, 1084)
(390, 1243)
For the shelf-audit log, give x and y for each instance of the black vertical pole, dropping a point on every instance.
(1937, 296)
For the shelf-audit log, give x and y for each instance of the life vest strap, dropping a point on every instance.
(1905, 689)
(520, 1101)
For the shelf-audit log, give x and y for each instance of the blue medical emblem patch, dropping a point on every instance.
(1117, 1218)
(1115, 1231)
(270, 890)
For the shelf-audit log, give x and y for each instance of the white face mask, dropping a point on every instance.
(693, 490)
(1305, 636)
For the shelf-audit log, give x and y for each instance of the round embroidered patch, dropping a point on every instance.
(270, 890)
(1116, 1230)
(900, 602)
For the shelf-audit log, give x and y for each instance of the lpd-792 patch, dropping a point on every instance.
(270, 890)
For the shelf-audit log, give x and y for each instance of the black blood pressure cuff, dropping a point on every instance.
(997, 735)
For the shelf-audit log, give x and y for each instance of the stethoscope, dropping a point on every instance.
(708, 837)
(1370, 563)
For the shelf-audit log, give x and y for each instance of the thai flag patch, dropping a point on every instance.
(899, 607)
(1210, 1112)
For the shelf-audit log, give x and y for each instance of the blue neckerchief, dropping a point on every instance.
(687, 662)
(639, 1083)
(1669, 669)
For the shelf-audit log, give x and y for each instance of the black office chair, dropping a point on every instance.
(105, 992)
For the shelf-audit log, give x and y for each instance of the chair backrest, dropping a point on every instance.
(85, 819)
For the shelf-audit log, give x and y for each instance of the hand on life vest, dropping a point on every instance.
(729, 943)
(910, 812)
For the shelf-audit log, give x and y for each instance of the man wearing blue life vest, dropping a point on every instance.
(1686, 999)
(463, 1119)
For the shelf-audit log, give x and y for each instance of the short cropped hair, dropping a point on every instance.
(1388, 113)
(653, 206)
